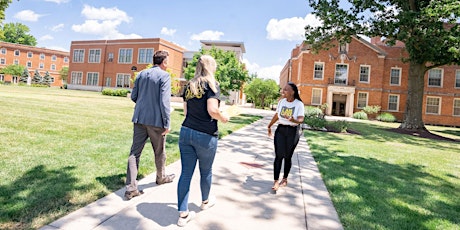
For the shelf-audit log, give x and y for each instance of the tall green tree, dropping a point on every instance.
(262, 92)
(64, 74)
(428, 28)
(13, 70)
(47, 79)
(17, 33)
(24, 76)
(3, 5)
(230, 73)
(37, 78)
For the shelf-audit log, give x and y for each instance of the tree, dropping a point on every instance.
(262, 92)
(175, 86)
(17, 33)
(13, 70)
(429, 30)
(47, 79)
(24, 76)
(64, 74)
(230, 73)
(3, 5)
(37, 79)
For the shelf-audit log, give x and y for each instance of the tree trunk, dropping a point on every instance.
(414, 103)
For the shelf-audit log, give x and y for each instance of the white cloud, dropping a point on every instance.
(166, 31)
(207, 35)
(57, 1)
(104, 22)
(103, 13)
(271, 72)
(27, 15)
(291, 29)
(57, 27)
(46, 37)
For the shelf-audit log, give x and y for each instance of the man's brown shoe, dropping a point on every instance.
(167, 179)
(132, 194)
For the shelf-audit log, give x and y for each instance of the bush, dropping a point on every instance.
(373, 109)
(311, 111)
(314, 117)
(340, 126)
(386, 117)
(360, 115)
(116, 92)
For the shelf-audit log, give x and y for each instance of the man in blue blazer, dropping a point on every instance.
(152, 95)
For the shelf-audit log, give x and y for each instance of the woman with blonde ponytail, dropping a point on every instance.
(198, 135)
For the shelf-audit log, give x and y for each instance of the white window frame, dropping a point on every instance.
(29, 64)
(16, 62)
(359, 99)
(66, 59)
(17, 52)
(2, 77)
(316, 99)
(92, 78)
(41, 65)
(390, 102)
(2, 61)
(53, 58)
(76, 78)
(428, 106)
(368, 73)
(30, 54)
(125, 55)
(123, 80)
(399, 77)
(320, 71)
(340, 79)
(42, 56)
(441, 77)
(456, 109)
(94, 55)
(53, 67)
(457, 79)
(78, 56)
(145, 55)
(3, 51)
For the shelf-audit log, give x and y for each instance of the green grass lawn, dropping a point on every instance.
(382, 180)
(63, 149)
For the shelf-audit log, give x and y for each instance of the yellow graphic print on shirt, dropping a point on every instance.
(189, 95)
(287, 112)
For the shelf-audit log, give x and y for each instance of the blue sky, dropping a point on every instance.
(269, 29)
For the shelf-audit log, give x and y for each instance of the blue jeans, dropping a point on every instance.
(195, 146)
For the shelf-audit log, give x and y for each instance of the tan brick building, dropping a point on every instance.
(34, 58)
(351, 76)
(99, 64)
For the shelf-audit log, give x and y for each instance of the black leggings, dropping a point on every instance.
(286, 139)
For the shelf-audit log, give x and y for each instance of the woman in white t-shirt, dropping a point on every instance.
(289, 114)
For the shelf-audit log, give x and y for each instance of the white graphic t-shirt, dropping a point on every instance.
(287, 109)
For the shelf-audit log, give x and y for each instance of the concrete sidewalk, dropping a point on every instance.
(242, 180)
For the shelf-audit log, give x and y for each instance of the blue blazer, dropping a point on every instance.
(152, 95)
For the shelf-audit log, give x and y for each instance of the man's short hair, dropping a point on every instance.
(160, 56)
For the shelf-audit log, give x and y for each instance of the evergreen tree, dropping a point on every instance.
(24, 76)
(47, 79)
(37, 79)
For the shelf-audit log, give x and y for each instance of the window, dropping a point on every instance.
(53, 67)
(79, 56)
(92, 78)
(2, 61)
(145, 56)
(435, 77)
(457, 79)
(123, 80)
(364, 72)
(393, 102)
(318, 71)
(2, 77)
(30, 54)
(16, 61)
(341, 74)
(42, 56)
(316, 96)
(17, 53)
(433, 105)
(3, 51)
(66, 59)
(125, 56)
(76, 78)
(362, 100)
(41, 65)
(108, 82)
(395, 76)
(343, 48)
(110, 57)
(457, 107)
(53, 58)
(94, 56)
(29, 64)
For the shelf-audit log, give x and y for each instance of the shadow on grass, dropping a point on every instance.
(40, 192)
(372, 194)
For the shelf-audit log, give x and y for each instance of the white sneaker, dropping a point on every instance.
(211, 202)
(184, 220)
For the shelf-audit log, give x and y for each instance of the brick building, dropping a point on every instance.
(349, 77)
(34, 58)
(99, 64)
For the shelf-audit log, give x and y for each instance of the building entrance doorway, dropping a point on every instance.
(339, 103)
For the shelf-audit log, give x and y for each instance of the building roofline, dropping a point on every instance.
(224, 43)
